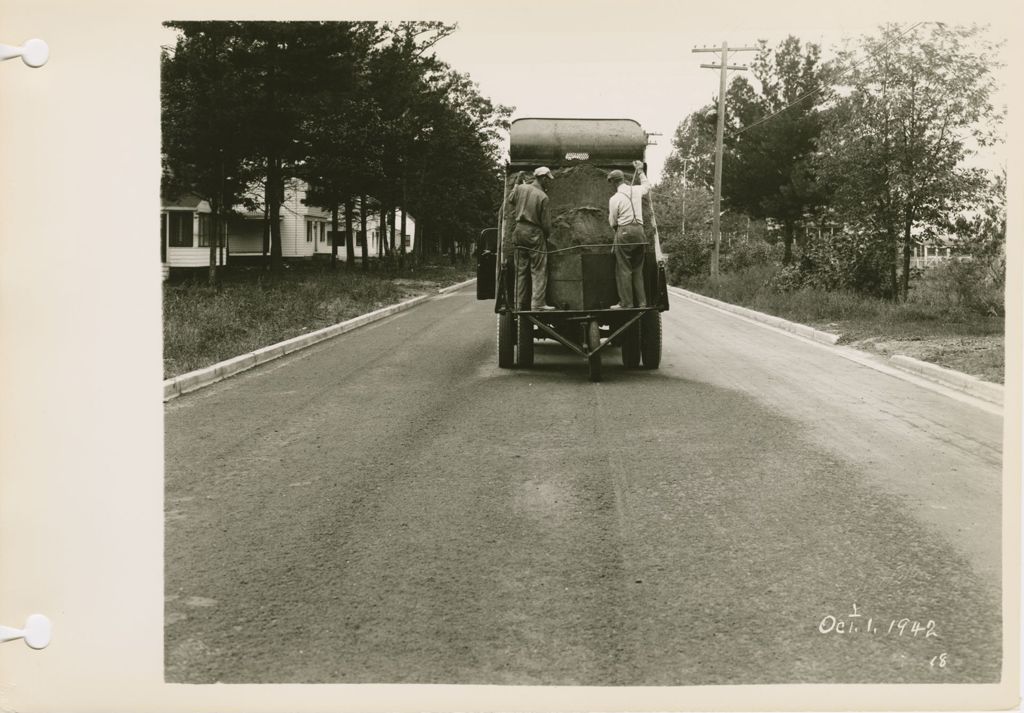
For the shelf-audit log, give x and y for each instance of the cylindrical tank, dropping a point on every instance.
(560, 142)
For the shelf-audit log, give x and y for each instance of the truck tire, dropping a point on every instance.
(525, 342)
(650, 339)
(631, 346)
(506, 341)
(594, 360)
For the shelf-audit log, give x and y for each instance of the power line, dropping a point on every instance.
(723, 68)
(842, 74)
(721, 112)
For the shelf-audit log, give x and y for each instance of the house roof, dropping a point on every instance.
(947, 241)
(186, 201)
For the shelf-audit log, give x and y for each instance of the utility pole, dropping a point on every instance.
(723, 66)
(683, 227)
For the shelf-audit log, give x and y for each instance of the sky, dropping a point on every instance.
(635, 59)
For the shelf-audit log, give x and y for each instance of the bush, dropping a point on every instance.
(746, 254)
(965, 286)
(787, 279)
(688, 257)
(847, 261)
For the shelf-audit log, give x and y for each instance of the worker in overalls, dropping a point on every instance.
(533, 226)
(626, 217)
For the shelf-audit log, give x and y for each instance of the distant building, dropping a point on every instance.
(931, 251)
(303, 227)
(186, 231)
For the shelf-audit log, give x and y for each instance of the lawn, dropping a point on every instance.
(931, 325)
(252, 308)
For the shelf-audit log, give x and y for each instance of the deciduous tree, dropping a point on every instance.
(916, 104)
(772, 130)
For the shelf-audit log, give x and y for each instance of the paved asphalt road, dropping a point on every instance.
(389, 506)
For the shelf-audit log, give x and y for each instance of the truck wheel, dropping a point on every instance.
(631, 346)
(525, 343)
(594, 360)
(506, 341)
(650, 339)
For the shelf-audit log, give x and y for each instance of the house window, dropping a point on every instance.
(179, 229)
(205, 230)
(323, 232)
(309, 231)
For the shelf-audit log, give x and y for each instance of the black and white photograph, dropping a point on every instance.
(692, 389)
(581, 356)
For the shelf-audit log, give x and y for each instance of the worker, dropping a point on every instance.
(532, 229)
(626, 218)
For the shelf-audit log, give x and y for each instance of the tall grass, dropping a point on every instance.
(250, 309)
(932, 306)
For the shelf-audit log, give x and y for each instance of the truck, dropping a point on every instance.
(581, 266)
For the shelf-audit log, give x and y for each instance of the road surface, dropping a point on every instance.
(390, 507)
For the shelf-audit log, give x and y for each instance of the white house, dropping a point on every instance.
(305, 231)
(185, 232)
(928, 252)
(303, 227)
(373, 234)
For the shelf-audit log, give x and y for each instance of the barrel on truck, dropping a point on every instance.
(581, 266)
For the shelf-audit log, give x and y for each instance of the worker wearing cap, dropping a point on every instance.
(532, 227)
(626, 217)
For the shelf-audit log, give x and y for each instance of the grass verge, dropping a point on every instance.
(252, 308)
(929, 326)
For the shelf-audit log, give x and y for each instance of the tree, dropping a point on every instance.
(341, 132)
(917, 103)
(772, 136)
(205, 142)
(455, 183)
(295, 65)
(684, 223)
(693, 150)
(351, 108)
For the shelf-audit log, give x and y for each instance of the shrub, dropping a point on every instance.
(746, 254)
(851, 261)
(688, 257)
(965, 285)
(785, 279)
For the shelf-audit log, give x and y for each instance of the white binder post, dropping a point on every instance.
(34, 52)
(37, 629)
(36, 632)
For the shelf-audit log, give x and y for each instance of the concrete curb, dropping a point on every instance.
(984, 390)
(193, 380)
(796, 328)
(958, 380)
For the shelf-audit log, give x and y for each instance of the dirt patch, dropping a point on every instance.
(980, 356)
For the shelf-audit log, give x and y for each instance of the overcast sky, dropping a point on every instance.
(635, 59)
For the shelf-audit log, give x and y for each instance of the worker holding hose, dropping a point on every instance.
(533, 226)
(625, 215)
